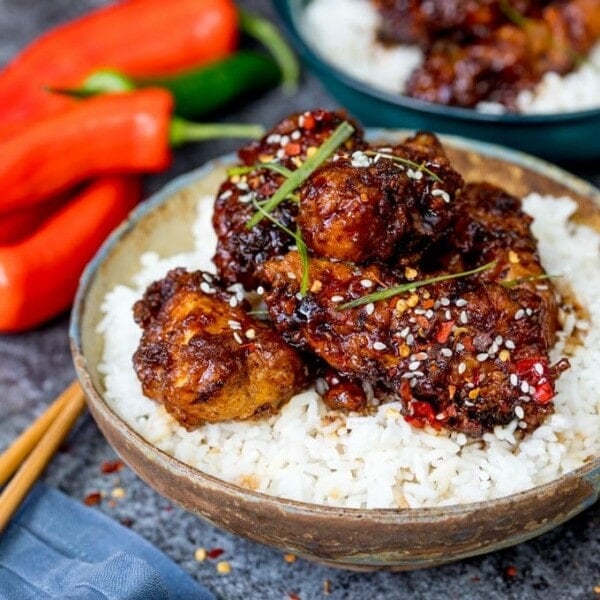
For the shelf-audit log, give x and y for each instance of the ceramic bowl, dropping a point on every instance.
(561, 137)
(352, 538)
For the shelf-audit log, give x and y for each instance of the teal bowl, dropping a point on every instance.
(560, 137)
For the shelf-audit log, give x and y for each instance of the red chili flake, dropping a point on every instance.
(127, 522)
(293, 596)
(443, 332)
(510, 571)
(293, 149)
(309, 122)
(543, 393)
(215, 552)
(475, 579)
(422, 413)
(525, 366)
(111, 466)
(92, 499)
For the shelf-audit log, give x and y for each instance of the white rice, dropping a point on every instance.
(377, 461)
(344, 33)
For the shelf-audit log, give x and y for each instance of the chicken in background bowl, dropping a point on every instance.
(558, 118)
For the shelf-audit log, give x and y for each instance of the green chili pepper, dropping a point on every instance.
(197, 92)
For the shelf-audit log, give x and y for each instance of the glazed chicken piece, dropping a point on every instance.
(239, 249)
(377, 205)
(463, 354)
(491, 226)
(511, 58)
(205, 358)
(422, 21)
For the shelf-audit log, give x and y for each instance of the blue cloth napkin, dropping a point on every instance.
(56, 547)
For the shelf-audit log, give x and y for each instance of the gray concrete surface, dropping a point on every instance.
(36, 366)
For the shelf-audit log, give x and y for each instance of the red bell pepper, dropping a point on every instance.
(39, 275)
(107, 134)
(139, 37)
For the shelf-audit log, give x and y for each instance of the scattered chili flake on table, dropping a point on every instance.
(223, 567)
(326, 587)
(293, 596)
(127, 522)
(289, 558)
(510, 571)
(111, 466)
(92, 499)
(215, 552)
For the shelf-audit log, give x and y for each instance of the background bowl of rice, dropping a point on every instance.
(200, 470)
(336, 42)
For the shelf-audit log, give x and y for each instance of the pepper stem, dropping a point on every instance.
(183, 131)
(266, 33)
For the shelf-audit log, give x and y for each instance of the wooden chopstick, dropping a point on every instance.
(35, 447)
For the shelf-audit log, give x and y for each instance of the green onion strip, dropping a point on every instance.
(411, 286)
(343, 131)
(300, 244)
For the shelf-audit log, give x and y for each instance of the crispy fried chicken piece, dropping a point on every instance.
(369, 207)
(511, 58)
(205, 358)
(239, 249)
(464, 354)
(422, 21)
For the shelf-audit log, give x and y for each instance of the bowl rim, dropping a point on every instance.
(590, 471)
(288, 11)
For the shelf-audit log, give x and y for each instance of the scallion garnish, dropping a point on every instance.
(343, 131)
(411, 286)
(405, 161)
(245, 169)
(520, 280)
(300, 244)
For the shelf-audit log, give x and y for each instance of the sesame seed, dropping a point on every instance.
(285, 140)
(418, 373)
(409, 375)
(366, 283)
(444, 195)
(316, 286)
(459, 347)
(448, 315)
(461, 302)
(360, 159)
(524, 387)
(413, 366)
(522, 425)
(223, 567)
(296, 135)
(462, 367)
(250, 333)
(379, 346)
(207, 289)
(260, 290)
(405, 332)
(417, 175)
(234, 324)
(200, 554)
(246, 198)
(510, 344)
(528, 312)
(421, 356)
(538, 368)
(445, 302)
(461, 439)
(464, 319)
(337, 298)
(291, 275)
(499, 339)
(483, 356)
(233, 302)
(446, 352)
(514, 380)
(429, 314)
(519, 412)
(410, 338)
(440, 416)
(504, 355)
(275, 137)
(519, 314)
(370, 308)
(226, 194)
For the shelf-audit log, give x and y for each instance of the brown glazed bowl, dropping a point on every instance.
(359, 539)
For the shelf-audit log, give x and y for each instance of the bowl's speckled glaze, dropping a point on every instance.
(351, 538)
(561, 137)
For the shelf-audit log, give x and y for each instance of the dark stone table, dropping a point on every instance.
(36, 366)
